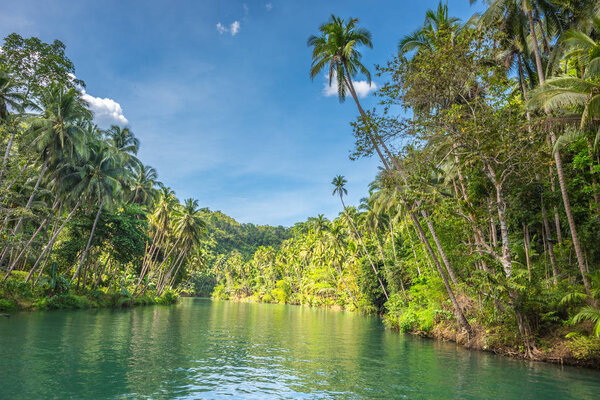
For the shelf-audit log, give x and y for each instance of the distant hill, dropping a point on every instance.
(225, 235)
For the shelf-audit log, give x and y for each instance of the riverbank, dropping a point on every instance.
(560, 346)
(18, 295)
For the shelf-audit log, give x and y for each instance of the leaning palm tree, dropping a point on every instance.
(190, 227)
(339, 184)
(336, 48)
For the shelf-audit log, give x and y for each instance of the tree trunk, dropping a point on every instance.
(364, 247)
(548, 242)
(439, 247)
(526, 245)
(89, 242)
(52, 240)
(570, 219)
(7, 152)
(462, 321)
(30, 200)
(536, 48)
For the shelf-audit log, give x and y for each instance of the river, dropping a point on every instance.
(215, 349)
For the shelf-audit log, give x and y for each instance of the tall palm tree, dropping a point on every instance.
(339, 184)
(336, 48)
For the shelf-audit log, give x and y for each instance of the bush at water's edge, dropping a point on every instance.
(16, 295)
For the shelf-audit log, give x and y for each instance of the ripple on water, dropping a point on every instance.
(212, 350)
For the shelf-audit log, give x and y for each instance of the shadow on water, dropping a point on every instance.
(213, 349)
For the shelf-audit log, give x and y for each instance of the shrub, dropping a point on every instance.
(64, 301)
(220, 292)
(282, 292)
(8, 305)
(584, 347)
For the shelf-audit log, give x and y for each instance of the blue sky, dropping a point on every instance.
(219, 95)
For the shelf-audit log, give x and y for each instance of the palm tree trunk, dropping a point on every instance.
(570, 219)
(7, 152)
(89, 242)
(526, 246)
(362, 243)
(536, 48)
(26, 247)
(462, 321)
(549, 243)
(52, 240)
(30, 200)
(439, 247)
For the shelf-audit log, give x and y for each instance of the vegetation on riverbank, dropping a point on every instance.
(482, 226)
(56, 294)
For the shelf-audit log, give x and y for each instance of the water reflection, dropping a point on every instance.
(205, 349)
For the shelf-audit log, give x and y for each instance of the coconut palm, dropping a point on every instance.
(336, 49)
(100, 181)
(125, 141)
(189, 227)
(144, 183)
(435, 21)
(339, 184)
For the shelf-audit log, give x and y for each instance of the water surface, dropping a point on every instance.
(210, 349)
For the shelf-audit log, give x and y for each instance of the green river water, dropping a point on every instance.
(211, 349)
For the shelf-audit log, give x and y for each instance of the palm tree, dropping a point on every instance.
(125, 141)
(58, 134)
(339, 184)
(143, 185)
(190, 228)
(100, 180)
(435, 21)
(10, 95)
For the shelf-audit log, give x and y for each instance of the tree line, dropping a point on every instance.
(80, 214)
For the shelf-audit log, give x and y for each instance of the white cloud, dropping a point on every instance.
(106, 111)
(269, 6)
(363, 88)
(234, 28)
(221, 29)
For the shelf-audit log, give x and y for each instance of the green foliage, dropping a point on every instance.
(64, 301)
(282, 292)
(584, 348)
(8, 305)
